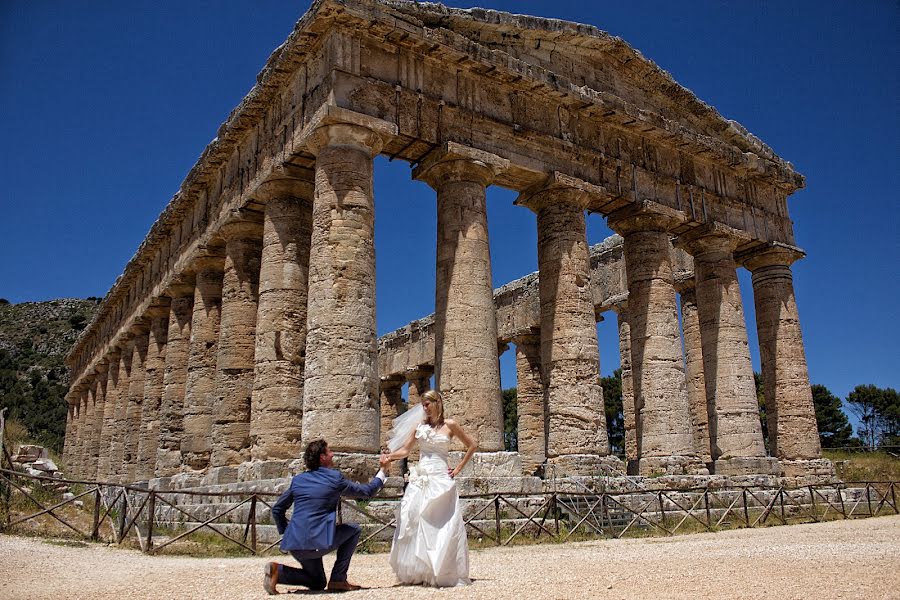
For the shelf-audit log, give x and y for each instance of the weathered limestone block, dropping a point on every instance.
(734, 428)
(392, 405)
(117, 439)
(793, 433)
(178, 339)
(200, 388)
(657, 362)
(530, 403)
(237, 341)
(467, 371)
(155, 367)
(576, 422)
(693, 365)
(340, 395)
(137, 378)
(104, 463)
(276, 412)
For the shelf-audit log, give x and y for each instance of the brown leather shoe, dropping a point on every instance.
(270, 580)
(342, 586)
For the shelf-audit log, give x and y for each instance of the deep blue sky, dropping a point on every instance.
(105, 106)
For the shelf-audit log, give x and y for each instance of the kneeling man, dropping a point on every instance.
(312, 531)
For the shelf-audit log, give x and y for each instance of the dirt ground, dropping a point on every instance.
(840, 559)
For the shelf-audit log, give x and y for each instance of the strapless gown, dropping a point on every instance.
(430, 545)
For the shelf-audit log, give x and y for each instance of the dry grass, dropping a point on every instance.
(864, 466)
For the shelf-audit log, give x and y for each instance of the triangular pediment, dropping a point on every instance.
(590, 58)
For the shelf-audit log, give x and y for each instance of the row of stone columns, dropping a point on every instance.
(268, 339)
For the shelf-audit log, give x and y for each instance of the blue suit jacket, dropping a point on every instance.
(315, 495)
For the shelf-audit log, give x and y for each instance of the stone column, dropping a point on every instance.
(154, 368)
(171, 413)
(666, 443)
(96, 449)
(793, 433)
(391, 401)
(137, 378)
(276, 413)
(119, 431)
(104, 464)
(467, 371)
(74, 458)
(88, 446)
(735, 431)
(530, 405)
(693, 365)
(200, 387)
(419, 379)
(576, 421)
(237, 340)
(630, 412)
(70, 433)
(340, 395)
(85, 416)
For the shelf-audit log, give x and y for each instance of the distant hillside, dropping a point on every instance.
(34, 340)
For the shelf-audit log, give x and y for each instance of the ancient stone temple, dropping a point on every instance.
(244, 325)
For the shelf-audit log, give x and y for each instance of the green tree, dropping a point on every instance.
(835, 430)
(878, 412)
(612, 405)
(510, 420)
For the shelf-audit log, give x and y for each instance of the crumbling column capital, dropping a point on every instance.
(419, 372)
(159, 308)
(454, 162)
(685, 282)
(559, 188)
(139, 328)
(775, 254)
(391, 381)
(180, 285)
(643, 217)
(354, 135)
(289, 182)
(528, 338)
(710, 239)
(101, 367)
(242, 224)
(208, 258)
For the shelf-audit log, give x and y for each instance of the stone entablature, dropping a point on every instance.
(470, 99)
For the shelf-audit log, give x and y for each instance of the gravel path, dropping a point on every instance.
(841, 559)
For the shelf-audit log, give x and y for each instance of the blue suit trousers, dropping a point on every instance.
(312, 571)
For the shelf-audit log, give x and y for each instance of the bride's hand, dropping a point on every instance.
(452, 473)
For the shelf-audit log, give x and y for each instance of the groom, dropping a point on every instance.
(312, 531)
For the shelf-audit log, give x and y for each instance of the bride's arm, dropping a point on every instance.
(467, 441)
(404, 450)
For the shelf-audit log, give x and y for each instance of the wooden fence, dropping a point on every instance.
(122, 512)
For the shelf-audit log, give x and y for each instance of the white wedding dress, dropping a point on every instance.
(430, 543)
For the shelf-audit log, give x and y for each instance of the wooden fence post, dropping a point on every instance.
(497, 517)
(151, 517)
(252, 518)
(746, 510)
(95, 526)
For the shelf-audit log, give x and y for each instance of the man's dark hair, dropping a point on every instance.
(314, 451)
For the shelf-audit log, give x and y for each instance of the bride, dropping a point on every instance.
(430, 545)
